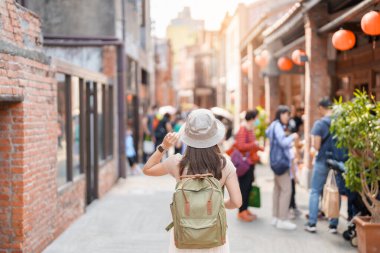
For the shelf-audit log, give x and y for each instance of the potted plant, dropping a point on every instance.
(356, 125)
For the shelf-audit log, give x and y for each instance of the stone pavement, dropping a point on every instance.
(131, 218)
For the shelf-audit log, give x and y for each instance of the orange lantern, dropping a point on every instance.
(343, 40)
(284, 64)
(129, 98)
(262, 59)
(245, 67)
(371, 23)
(259, 60)
(296, 56)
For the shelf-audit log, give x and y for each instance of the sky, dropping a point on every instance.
(212, 11)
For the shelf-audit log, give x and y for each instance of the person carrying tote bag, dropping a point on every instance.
(203, 167)
(280, 161)
(246, 144)
(331, 198)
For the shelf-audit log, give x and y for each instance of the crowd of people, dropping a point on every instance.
(285, 135)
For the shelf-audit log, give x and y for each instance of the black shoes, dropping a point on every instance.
(311, 228)
(333, 229)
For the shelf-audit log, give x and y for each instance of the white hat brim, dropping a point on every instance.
(206, 143)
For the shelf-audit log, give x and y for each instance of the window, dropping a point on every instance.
(110, 121)
(101, 121)
(70, 146)
(76, 126)
(105, 121)
(61, 128)
(84, 125)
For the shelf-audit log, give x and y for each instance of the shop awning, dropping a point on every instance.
(350, 14)
(289, 21)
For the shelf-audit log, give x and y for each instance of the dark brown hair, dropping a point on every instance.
(202, 161)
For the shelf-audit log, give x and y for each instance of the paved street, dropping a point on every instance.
(132, 217)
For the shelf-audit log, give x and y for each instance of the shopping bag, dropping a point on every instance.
(148, 145)
(331, 199)
(254, 199)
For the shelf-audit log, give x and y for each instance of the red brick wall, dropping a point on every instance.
(33, 211)
(71, 204)
(107, 177)
(28, 167)
(110, 61)
(19, 26)
(28, 150)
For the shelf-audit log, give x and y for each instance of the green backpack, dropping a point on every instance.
(199, 215)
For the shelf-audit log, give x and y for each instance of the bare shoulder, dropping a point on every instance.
(230, 167)
(172, 164)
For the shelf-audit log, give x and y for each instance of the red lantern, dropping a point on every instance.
(245, 67)
(371, 23)
(296, 56)
(343, 40)
(262, 59)
(284, 64)
(129, 98)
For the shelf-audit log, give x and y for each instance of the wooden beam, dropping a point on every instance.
(290, 46)
(73, 70)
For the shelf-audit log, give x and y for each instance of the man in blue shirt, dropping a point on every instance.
(320, 135)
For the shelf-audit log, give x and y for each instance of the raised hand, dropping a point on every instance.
(170, 140)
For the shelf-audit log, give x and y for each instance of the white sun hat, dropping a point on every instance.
(202, 129)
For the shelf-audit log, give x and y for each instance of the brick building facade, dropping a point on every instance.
(48, 173)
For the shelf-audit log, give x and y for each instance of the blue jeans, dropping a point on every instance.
(318, 180)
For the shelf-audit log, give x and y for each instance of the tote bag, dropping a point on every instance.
(330, 201)
(254, 199)
(148, 145)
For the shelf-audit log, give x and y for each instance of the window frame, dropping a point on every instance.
(69, 72)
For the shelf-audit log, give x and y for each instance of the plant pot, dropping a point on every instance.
(368, 235)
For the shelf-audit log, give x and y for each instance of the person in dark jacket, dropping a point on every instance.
(163, 128)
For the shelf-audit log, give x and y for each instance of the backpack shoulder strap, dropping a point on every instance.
(328, 124)
(274, 136)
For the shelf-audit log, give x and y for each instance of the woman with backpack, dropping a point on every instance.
(198, 207)
(280, 161)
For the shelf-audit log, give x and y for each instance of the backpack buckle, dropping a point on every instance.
(170, 226)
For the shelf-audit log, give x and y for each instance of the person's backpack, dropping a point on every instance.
(279, 161)
(160, 130)
(332, 150)
(155, 122)
(199, 215)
